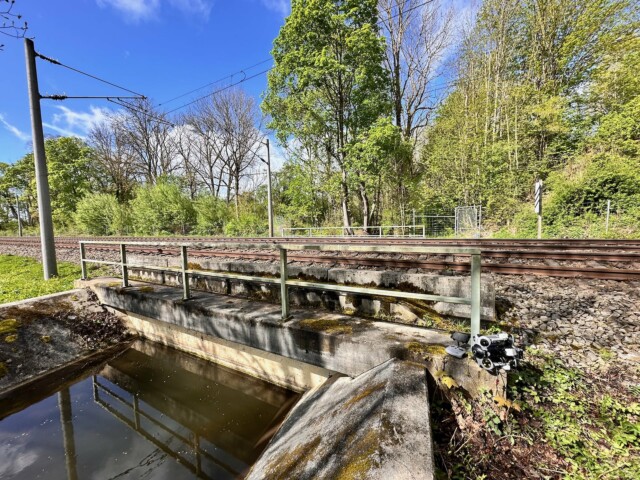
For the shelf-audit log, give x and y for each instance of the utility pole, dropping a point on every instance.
(269, 200)
(19, 216)
(42, 175)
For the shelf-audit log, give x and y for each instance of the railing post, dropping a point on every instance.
(123, 265)
(284, 290)
(83, 265)
(475, 294)
(185, 276)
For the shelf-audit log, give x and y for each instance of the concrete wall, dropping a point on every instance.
(404, 311)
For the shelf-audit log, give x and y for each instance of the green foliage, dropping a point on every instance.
(162, 209)
(70, 176)
(543, 87)
(597, 433)
(252, 217)
(329, 87)
(101, 214)
(211, 215)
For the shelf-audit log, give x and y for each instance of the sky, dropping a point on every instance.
(160, 48)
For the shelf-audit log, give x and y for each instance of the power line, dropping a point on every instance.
(215, 92)
(69, 97)
(271, 68)
(231, 75)
(140, 110)
(56, 62)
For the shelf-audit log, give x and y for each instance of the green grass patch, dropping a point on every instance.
(22, 277)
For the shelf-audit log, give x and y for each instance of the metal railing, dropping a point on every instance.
(285, 282)
(192, 440)
(371, 231)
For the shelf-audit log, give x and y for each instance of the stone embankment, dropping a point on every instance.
(587, 322)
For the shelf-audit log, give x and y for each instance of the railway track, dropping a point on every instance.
(499, 254)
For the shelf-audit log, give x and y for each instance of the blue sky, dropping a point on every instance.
(161, 48)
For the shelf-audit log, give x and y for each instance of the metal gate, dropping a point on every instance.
(468, 221)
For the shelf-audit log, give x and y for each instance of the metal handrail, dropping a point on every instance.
(473, 300)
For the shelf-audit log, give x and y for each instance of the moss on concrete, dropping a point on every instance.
(424, 349)
(10, 325)
(3, 370)
(362, 459)
(11, 338)
(291, 463)
(364, 394)
(327, 326)
(146, 289)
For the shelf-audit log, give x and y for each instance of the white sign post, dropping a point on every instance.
(538, 206)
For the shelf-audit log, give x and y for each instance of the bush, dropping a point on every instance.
(162, 209)
(101, 214)
(211, 215)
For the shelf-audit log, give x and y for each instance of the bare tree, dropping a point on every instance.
(114, 157)
(207, 148)
(147, 132)
(239, 121)
(417, 40)
(8, 25)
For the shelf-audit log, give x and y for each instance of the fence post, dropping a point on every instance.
(123, 265)
(606, 229)
(475, 294)
(83, 265)
(185, 276)
(284, 291)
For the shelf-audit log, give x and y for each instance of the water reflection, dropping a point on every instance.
(150, 413)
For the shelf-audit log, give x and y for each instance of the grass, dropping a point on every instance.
(21, 278)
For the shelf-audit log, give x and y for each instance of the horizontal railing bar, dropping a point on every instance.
(383, 249)
(234, 276)
(320, 247)
(379, 292)
(102, 262)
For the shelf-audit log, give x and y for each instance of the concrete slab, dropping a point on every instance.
(339, 343)
(375, 426)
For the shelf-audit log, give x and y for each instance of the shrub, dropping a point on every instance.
(211, 215)
(162, 209)
(101, 214)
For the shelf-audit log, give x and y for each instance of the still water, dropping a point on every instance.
(152, 412)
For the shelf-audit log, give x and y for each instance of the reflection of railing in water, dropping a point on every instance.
(135, 424)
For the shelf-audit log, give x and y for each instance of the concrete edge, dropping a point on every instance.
(26, 301)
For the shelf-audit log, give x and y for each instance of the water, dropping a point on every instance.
(152, 412)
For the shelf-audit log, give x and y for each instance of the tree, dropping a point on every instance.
(329, 84)
(9, 27)
(114, 158)
(146, 133)
(417, 39)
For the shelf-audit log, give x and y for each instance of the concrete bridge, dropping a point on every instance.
(348, 339)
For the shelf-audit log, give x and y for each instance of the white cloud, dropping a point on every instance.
(140, 10)
(76, 124)
(196, 7)
(15, 458)
(134, 10)
(283, 7)
(14, 130)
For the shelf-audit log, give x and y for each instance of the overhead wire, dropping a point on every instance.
(231, 75)
(271, 68)
(57, 62)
